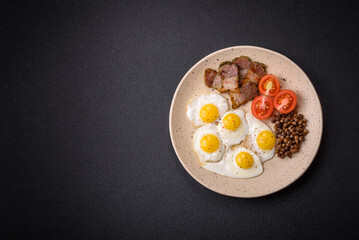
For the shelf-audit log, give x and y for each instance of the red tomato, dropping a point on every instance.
(262, 107)
(269, 85)
(285, 101)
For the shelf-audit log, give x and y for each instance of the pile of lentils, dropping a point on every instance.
(290, 132)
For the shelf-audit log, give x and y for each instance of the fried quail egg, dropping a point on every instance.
(233, 127)
(207, 143)
(237, 162)
(207, 108)
(261, 139)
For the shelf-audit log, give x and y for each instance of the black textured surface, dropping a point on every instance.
(86, 89)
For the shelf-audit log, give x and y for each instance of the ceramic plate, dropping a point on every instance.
(278, 173)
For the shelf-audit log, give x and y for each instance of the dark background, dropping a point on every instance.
(86, 88)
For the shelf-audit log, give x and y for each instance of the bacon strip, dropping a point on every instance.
(212, 79)
(243, 63)
(255, 73)
(247, 92)
(229, 73)
(209, 75)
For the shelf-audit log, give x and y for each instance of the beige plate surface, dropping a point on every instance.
(278, 173)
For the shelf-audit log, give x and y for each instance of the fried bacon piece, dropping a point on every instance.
(255, 73)
(212, 79)
(209, 75)
(247, 92)
(243, 63)
(237, 99)
(229, 74)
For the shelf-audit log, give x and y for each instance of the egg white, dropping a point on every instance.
(228, 166)
(209, 129)
(256, 126)
(194, 108)
(233, 137)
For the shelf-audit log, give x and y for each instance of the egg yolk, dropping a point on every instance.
(209, 143)
(266, 140)
(231, 121)
(209, 113)
(244, 160)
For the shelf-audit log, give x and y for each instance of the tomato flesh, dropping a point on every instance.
(262, 107)
(285, 101)
(269, 85)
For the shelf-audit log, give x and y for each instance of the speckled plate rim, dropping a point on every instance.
(202, 62)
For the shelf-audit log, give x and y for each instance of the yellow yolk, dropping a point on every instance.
(209, 143)
(244, 160)
(209, 113)
(266, 140)
(231, 121)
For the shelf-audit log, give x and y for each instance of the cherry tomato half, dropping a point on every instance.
(269, 85)
(262, 107)
(285, 101)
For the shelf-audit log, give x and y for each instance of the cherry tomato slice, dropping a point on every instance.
(285, 101)
(269, 85)
(262, 107)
